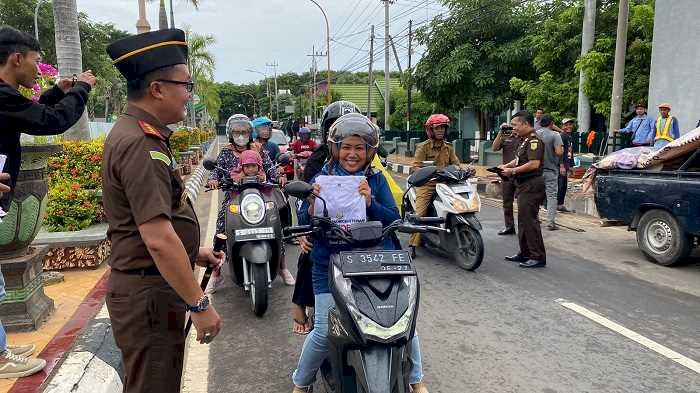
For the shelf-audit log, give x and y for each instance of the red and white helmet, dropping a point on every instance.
(435, 120)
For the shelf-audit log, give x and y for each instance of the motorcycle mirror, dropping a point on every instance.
(209, 165)
(299, 189)
(422, 176)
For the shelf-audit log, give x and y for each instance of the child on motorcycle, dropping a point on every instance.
(353, 141)
(250, 165)
(239, 131)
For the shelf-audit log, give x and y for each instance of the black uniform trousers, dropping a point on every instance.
(508, 188)
(530, 193)
(148, 322)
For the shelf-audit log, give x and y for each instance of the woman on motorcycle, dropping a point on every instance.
(353, 141)
(239, 131)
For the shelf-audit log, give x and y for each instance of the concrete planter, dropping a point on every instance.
(88, 248)
(26, 305)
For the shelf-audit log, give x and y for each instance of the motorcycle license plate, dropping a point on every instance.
(461, 189)
(254, 233)
(376, 263)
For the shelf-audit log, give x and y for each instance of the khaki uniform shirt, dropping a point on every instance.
(531, 148)
(443, 154)
(140, 183)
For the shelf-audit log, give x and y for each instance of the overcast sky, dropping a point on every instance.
(250, 34)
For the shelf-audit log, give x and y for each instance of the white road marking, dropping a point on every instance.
(196, 371)
(632, 335)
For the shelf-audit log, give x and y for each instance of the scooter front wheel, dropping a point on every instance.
(471, 253)
(258, 289)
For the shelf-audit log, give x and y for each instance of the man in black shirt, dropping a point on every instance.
(507, 141)
(566, 160)
(56, 111)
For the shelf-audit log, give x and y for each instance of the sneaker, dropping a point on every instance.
(287, 277)
(13, 366)
(22, 350)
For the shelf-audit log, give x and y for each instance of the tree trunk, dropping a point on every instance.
(162, 16)
(69, 55)
(172, 15)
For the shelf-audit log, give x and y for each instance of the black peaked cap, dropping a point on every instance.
(137, 55)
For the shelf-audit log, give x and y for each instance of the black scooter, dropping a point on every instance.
(254, 231)
(376, 294)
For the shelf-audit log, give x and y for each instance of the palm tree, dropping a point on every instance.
(162, 16)
(195, 3)
(202, 67)
(69, 55)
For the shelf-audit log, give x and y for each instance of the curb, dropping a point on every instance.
(94, 364)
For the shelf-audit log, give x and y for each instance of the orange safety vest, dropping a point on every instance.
(664, 135)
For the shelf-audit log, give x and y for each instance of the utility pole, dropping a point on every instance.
(386, 65)
(410, 77)
(314, 55)
(619, 71)
(277, 100)
(588, 35)
(370, 77)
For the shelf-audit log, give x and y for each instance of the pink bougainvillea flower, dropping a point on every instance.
(35, 98)
(47, 69)
(36, 88)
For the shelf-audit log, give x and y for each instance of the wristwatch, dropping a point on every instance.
(202, 305)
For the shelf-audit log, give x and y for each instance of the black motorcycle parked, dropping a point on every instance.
(376, 294)
(254, 246)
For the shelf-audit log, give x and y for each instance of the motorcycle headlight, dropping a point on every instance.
(253, 209)
(452, 200)
(366, 325)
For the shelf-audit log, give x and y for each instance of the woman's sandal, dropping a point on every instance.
(301, 327)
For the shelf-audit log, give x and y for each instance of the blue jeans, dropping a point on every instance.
(315, 348)
(3, 335)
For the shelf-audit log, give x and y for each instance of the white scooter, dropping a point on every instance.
(454, 206)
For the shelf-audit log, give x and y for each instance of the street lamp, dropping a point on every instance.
(328, 51)
(254, 102)
(36, 19)
(267, 83)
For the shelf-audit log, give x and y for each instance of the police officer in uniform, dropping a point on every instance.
(152, 225)
(507, 141)
(442, 154)
(526, 169)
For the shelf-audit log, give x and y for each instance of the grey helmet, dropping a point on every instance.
(238, 121)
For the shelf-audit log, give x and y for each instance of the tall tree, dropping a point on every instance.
(69, 55)
(202, 66)
(472, 53)
(195, 3)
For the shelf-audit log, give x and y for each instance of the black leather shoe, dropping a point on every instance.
(533, 263)
(507, 231)
(516, 258)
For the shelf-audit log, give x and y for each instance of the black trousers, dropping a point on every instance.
(148, 323)
(561, 194)
(530, 195)
(508, 190)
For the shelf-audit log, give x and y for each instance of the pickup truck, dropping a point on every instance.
(663, 207)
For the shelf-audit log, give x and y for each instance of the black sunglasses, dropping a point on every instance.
(189, 86)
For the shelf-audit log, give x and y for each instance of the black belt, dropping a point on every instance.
(147, 271)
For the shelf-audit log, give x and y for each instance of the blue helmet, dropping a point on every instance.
(260, 121)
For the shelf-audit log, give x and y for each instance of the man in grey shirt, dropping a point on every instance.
(553, 151)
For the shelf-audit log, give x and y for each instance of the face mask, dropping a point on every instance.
(241, 140)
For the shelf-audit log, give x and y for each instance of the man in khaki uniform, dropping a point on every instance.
(152, 225)
(442, 154)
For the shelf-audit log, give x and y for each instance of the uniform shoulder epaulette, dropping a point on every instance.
(150, 130)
